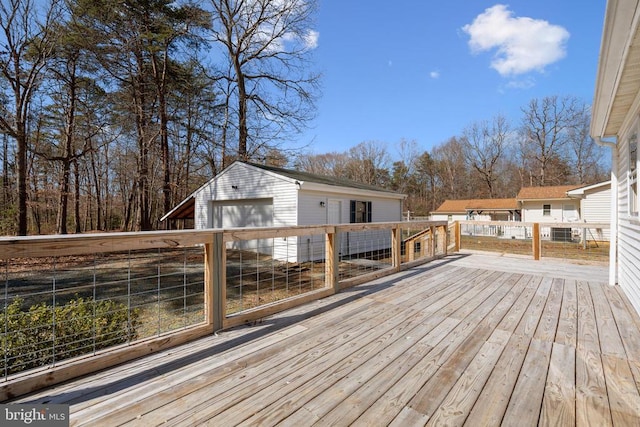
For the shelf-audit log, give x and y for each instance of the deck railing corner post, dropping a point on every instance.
(215, 289)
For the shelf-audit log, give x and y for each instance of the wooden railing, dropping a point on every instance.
(570, 240)
(301, 264)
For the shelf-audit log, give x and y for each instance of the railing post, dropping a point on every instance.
(433, 241)
(396, 246)
(536, 241)
(215, 289)
(331, 261)
(444, 229)
(457, 236)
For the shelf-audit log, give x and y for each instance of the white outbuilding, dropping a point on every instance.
(254, 195)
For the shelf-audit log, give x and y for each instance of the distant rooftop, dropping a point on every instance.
(545, 193)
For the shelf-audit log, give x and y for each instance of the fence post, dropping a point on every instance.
(215, 289)
(331, 261)
(396, 246)
(536, 241)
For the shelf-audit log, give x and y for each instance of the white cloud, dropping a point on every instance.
(523, 44)
(434, 74)
(311, 39)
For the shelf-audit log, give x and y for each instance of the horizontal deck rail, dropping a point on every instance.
(155, 290)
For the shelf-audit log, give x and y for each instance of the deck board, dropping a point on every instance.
(467, 340)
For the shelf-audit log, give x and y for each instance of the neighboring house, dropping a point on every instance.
(551, 204)
(548, 204)
(477, 209)
(615, 122)
(253, 195)
(595, 207)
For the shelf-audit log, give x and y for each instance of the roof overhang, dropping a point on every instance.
(618, 78)
(185, 210)
(544, 199)
(337, 189)
(579, 192)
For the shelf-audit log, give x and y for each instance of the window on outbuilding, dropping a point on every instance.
(360, 211)
(546, 210)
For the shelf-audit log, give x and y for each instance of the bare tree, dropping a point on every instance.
(545, 130)
(270, 90)
(27, 41)
(404, 168)
(484, 143)
(585, 154)
(369, 162)
(454, 177)
(329, 164)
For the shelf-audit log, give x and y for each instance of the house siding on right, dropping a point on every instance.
(628, 223)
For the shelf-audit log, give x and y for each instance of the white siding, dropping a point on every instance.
(596, 207)
(628, 231)
(311, 212)
(241, 182)
(532, 211)
(233, 190)
(250, 185)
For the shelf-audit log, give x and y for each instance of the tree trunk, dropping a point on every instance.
(242, 111)
(21, 163)
(61, 221)
(76, 171)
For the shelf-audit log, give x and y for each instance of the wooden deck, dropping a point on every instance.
(454, 342)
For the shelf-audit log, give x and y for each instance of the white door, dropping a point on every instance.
(333, 212)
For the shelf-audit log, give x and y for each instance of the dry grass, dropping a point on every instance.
(591, 252)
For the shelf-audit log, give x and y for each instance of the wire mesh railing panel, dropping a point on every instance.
(363, 252)
(59, 307)
(508, 238)
(575, 243)
(265, 271)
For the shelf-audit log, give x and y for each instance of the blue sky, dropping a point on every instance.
(424, 70)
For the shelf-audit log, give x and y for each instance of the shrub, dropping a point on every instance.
(42, 335)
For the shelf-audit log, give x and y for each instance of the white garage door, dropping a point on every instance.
(242, 213)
